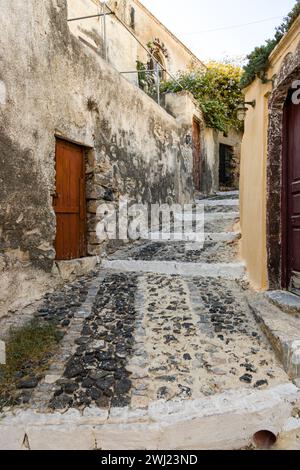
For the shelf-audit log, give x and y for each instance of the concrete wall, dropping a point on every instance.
(254, 163)
(53, 85)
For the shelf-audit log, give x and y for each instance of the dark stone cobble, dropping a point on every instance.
(58, 309)
(177, 251)
(96, 373)
(223, 308)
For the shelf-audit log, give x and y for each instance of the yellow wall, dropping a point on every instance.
(253, 190)
(253, 187)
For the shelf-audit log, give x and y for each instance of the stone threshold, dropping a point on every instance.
(282, 330)
(76, 267)
(232, 271)
(222, 422)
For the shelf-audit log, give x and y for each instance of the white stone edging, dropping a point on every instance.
(231, 271)
(225, 421)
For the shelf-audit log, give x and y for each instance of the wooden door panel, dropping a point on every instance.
(295, 249)
(296, 204)
(69, 202)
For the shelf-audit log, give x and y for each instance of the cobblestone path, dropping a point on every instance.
(135, 337)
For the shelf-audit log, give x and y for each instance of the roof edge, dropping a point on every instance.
(137, 2)
(284, 42)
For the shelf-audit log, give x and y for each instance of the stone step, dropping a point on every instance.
(221, 208)
(222, 236)
(220, 195)
(208, 237)
(228, 193)
(210, 423)
(232, 271)
(209, 216)
(286, 301)
(282, 330)
(218, 202)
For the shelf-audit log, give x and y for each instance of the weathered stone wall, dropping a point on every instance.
(184, 108)
(123, 50)
(53, 85)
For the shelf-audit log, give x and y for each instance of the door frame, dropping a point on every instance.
(284, 213)
(230, 148)
(198, 123)
(274, 101)
(82, 188)
(286, 208)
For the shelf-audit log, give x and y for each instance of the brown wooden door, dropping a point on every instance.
(69, 201)
(292, 195)
(196, 155)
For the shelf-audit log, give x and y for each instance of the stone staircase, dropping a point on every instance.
(213, 258)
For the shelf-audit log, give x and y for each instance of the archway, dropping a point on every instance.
(277, 229)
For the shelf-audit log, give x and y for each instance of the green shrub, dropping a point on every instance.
(216, 90)
(258, 60)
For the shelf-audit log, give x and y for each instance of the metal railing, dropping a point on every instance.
(151, 85)
(153, 82)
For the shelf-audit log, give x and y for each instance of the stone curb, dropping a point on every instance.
(282, 330)
(286, 301)
(226, 421)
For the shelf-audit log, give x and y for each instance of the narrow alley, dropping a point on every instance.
(149, 228)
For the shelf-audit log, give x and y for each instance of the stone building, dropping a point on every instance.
(61, 102)
(76, 134)
(216, 156)
(270, 171)
(123, 51)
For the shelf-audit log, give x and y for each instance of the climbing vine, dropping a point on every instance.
(258, 60)
(216, 90)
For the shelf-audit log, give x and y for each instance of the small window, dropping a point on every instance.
(132, 18)
(157, 66)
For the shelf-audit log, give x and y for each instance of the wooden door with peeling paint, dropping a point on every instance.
(69, 201)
